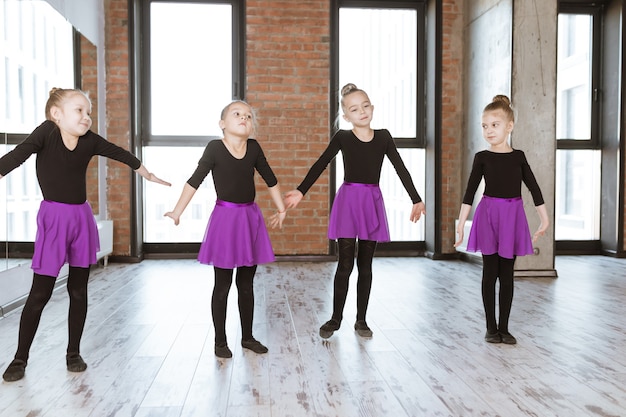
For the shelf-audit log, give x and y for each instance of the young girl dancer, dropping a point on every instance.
(236, 236)
(499, 228)
(358, 211)
(66, 228)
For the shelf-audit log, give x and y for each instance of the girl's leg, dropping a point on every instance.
(364, 258)
(345, 264)
(245, 290)
(490, 276)
(506, 297)
(77, 290)
(40, 293)
(223, 281)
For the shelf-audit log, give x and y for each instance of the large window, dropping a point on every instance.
(37, 49)
(577, 196)
(380, 50)
(192, 68)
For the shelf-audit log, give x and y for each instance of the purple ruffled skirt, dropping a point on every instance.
(66, 233)
(500, 226)
(236, 236)
(359, 212)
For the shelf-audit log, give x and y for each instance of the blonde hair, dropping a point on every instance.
(501, 102)
(58, 95)
(252, 111)
(347, 90)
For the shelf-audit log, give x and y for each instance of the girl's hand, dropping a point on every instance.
(417, 211)
(292, 198)
(540, 232)
(173, 216)
(153, 178)
(459, 232)
(277, 219)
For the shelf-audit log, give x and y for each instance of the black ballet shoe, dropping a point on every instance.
(75, 363)
(507, 338)
(222, 351)
(15, 371)
(493, 337)
(254, 345)
(329, 328)
(363, 329)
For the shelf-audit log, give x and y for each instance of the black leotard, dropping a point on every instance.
(233, 178)
(62, 173)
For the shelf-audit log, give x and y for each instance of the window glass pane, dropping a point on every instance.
(398, 205)
(177, 164)
(378, 53)
(23, 197)
(190, 68)
(573, 100)
(577, 195)
(38, 54)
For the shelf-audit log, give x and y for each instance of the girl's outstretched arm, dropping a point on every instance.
(460, 227)
(183, 201)
(143, 171)
(545, 222)
(277, 219)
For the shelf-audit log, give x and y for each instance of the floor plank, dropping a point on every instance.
(149, 345)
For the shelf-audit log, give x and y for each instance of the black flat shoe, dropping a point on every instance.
(254, 345)
(362, 329)
(222, 351)
(75, 363)
(15, 371)
(493, 337)
(329, 328)
(507, 338)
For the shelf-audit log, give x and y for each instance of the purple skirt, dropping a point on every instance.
(359, 212)
(66, 233)
(236, 236)
(500, 226)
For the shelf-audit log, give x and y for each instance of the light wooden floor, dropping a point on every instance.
(149, 346)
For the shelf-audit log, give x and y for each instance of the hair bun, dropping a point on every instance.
(347, 89)
(500, 98)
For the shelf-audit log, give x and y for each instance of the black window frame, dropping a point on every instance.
(145, 136)
(394, 248)
(595, 10)
(142, 110)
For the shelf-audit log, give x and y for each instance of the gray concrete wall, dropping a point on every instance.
(511, 50)
(533, 91)
(488, 68)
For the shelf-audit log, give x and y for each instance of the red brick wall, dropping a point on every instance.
(288, 75)
(89, 84)
(451, 120)
(118, 121)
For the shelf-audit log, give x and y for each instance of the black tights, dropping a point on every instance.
(494, 267)
(365, 254)
(245, 290)
(39, 295)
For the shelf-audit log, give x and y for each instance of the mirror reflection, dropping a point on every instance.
(38, 46)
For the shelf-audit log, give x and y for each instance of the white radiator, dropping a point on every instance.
(105, 230)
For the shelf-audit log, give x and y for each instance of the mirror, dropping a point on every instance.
(33, 65)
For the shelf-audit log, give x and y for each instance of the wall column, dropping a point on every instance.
(533, 95)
